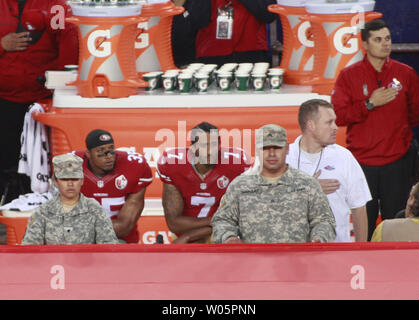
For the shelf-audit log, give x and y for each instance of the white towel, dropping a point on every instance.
(34, 154)
(27, 202)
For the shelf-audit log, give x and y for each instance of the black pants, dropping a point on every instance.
(11, 124)
(389, 186)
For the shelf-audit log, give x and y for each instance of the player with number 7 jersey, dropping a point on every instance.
(201, 194)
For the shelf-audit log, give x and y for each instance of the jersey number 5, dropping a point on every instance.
(110, 204)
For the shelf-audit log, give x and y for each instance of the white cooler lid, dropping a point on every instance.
(157, 1)
(323, 7)
(111, 10)
(17, 214)
(292, 3)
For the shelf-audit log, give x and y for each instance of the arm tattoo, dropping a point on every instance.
(172, 201)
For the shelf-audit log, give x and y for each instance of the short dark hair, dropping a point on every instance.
(373, 25)
(414, 208)
(308, 110)
(203, 126)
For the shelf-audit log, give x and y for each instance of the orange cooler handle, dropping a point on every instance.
(276, 8)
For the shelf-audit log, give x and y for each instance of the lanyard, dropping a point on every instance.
(299, 154)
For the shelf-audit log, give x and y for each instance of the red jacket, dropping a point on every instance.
(383, 135)
(249, 34)
(20, 69)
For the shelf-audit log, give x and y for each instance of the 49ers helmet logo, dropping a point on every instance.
(105, 137)
(121, 182)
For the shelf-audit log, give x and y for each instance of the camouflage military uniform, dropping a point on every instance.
(292, 209)
(86, 223)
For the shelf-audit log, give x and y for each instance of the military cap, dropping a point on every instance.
(271, 135)
(68, 166)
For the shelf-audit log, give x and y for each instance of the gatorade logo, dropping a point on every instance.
(168, 84)
(152, 83)
(302, 31)
(181, 85)
(203, 84)
(98, 47)
(275, 82)
(223, 83)
(258, 83)
(346, 47)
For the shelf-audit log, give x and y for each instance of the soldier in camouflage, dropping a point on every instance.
(275, 204)
(70, 217)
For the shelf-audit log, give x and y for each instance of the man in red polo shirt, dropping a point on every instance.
(378, 100)
(34, 38)
(222, 31)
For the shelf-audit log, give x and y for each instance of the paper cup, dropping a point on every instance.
(153, 80)
(224, 81)
(276, 71)
(242, 81)
(169, 82)
(201, 82)
(185, 83)
(275, 81)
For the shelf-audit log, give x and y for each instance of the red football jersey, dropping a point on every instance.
(201, 197)
(130, 174)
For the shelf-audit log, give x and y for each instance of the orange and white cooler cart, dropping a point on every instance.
(153, 46)
(16, 225)
(298, 45)
(337, 38)
(107, 34)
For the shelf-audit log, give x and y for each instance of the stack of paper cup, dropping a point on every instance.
(275, 76)
(260, 67)
(259, 75)
(185, 82)
(154, 80)
(195, 67)
(210, 69)
(224, 80)
(242, 76)
(244, 67)
(170, 80)
(230, 67)
(201, 80)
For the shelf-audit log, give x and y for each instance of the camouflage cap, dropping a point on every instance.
(68, 166)
(271, 135)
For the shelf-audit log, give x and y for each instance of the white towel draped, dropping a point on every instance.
(34, 154)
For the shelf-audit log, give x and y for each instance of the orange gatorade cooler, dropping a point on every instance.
(297, 55)
(153, 47)
(336, 27)
(107, 33)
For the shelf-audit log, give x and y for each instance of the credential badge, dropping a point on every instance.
(365, 88)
